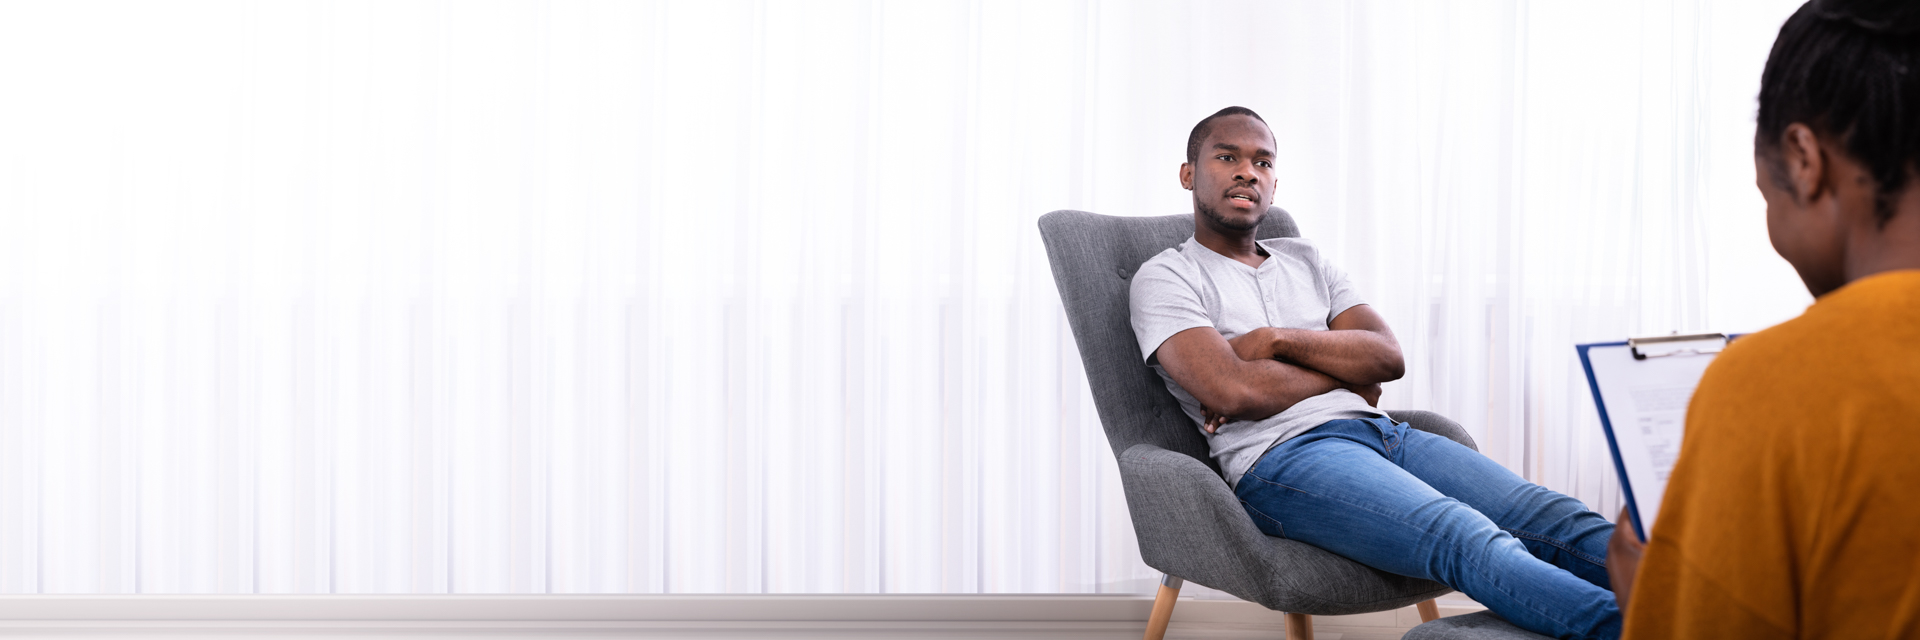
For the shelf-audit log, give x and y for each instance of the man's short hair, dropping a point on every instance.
(1200, 131)
(1848, 69)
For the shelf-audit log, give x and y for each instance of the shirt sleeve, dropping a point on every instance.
(1341, 294)
(1162, 304)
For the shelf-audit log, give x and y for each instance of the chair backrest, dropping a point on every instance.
(1093, 258)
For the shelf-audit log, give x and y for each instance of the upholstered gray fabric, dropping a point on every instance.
(1482, 625)
(1188, 522)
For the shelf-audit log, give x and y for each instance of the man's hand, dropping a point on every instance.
(1357, 348)
(1257, 344)
(1263, 344)
(1213, 420)
(1203, 363)
(1368, 392)
(1623, 558)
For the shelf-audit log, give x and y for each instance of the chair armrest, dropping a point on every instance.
(1434, 423)
(1185, 515)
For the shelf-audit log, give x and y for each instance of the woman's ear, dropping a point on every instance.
(1805, 163)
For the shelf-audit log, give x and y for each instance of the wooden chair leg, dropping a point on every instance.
(1299, 626)
(1429, 610)
(1163, 606)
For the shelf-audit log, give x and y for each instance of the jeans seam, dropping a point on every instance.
(1556, 543)
(1484, 575)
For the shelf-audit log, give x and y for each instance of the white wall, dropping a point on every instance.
(484, 297)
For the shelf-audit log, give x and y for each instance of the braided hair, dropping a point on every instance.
(1848, 69)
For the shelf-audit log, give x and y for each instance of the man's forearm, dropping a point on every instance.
(1273, 386)
(1352, 356)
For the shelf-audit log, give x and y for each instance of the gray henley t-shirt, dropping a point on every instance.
(1191, 286)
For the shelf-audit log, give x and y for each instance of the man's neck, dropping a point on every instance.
(1238, 246)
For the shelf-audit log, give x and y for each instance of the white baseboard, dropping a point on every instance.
(401, 613)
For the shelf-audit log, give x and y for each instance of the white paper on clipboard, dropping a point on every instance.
(1643, 405)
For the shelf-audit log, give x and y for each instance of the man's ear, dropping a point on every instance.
(1186, 176)
(1805, 163)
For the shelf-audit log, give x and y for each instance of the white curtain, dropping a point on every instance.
(747, 296)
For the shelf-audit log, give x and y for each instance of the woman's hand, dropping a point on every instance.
(1623, 558)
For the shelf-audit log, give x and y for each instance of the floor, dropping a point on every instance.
(968, 631)
(727, 634)
(649, 618)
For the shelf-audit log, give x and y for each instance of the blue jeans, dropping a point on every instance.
(1417, 504)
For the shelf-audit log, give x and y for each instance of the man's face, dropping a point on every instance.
(1232, 179)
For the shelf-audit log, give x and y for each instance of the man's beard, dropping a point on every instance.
(1220, 222)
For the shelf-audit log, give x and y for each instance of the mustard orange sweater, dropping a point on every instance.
(1794, 510)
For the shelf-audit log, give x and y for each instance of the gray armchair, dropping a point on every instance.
(1189, 524)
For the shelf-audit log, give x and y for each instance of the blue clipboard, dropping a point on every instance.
(1613, 444)
(1599, 401)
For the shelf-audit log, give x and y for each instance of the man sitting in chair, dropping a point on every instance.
(1275, 357)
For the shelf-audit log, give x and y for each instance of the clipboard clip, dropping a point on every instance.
(1692, 344)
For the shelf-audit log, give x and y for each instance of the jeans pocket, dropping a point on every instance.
(1389, 432)
(1266, 523)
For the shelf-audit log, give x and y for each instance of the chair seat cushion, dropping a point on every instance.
(1190, 525)
(1483, 625)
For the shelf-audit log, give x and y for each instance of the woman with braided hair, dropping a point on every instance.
(1794, 510)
